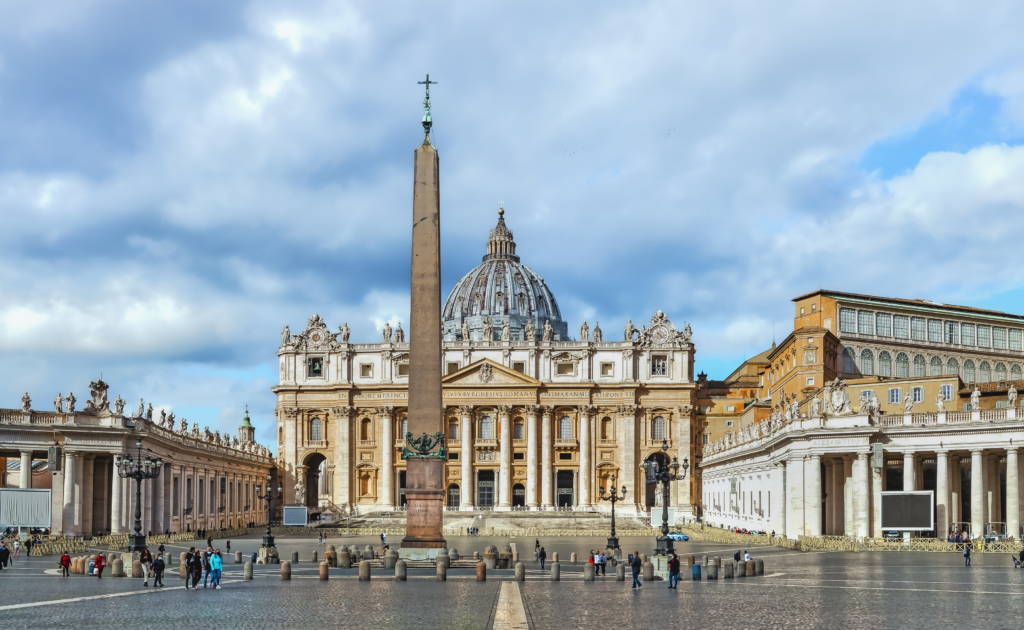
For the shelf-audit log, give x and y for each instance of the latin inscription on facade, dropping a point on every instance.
(840, 442)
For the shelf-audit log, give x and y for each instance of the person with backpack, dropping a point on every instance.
(542, 556)
(216, 566)
(65, 564)
(673, 572)
(207, 571)
(193, 567)
(636, 565)
(158, 570)
(100, 563)
(967, 555)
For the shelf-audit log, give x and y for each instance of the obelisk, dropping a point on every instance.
(424, 480)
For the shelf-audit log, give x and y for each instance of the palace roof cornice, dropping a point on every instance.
(921, 305)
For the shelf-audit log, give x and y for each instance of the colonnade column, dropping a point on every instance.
(88, 464)
(505, 455)
(849, 505)
(584, 500)
(25, 478)
(116, 502)
(158, 500)
(342, 490)
(795, 515)
(545, 458)
(838, 492)
(908, 471)
(977, 493)
(1012, 494)
(778, 502)
(466, 439)
(942, 493)
(69, 491)
(147, 506)
(628, 447)
(531, 456)
(813, 494)
(954, 490)
(863, 494)
(388, 450)
(830, 499)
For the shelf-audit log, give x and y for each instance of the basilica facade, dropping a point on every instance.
(533, 420)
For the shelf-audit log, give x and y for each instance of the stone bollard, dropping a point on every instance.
(536, 557)
(315, 558)
(238, 557)
(443, 558)
(247, 571)
(515, 556)
(643, 557)
(505, 560)
(490, 560)
(588, 572)
(295, 557)
(620, 572)
(520, 572)
(368, 552)
(727, 570)
(718, 561)
(390, 559)
(286, 570)
(182, 571)
(442, 572)
(345, 560)
(760, 566)
(572, 558)
(364, 571)
(554, 556)
(705, 562)
(481, 571)
(117, 568)
(401, 573)
(476, 555)
(556, 571)
(331, 548)
(648, 571)
(453, 554)
(751, 568)
(136, 569)
(323, 571)
(690, 560)
(712, 571)
(696, 572)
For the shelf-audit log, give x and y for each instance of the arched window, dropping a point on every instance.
(849, 365)
(316, 430)
(884, 363)
(984, 372)
(1015, 372)
(564, 428)
(919, 365)
(453, 495)
(453, 431)
(280, 434)
(968, 371)
(867, 362)
(952, 367)
(1000, 371)
(606, 428)
(404, 429)
(902, 365)
(487, 428)
(659, 428)
(517, 430)
(364, 430)
(935, 367)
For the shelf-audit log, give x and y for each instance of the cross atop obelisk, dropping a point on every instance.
(427, 121)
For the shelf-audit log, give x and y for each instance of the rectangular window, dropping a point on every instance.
(519, 366)
(705, 438)
(175, 502)
(967, 334)
(984, 336)
(1015, 339)
(731, 408)
(934, 331)
(968, 407)
(918, 393)
(453, 457)
(895, 395)
(517, 431)
(453, 431)
(866, 322)
(847, 320)
(901, 326)
(951, 330)
(518, 456)
(883, 325)
(565, 456)
(946, 391)
(607, 369)
(1001, 404)
(403, 369)
(999, 338)
(315, 367)
(917, 330)
(453, 367)
(659, 365)
(366, 370)
(810, 381)
(730, 423)
(565, 369)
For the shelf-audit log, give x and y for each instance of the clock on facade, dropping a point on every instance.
(660, 334)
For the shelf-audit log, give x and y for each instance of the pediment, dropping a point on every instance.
(486, 372)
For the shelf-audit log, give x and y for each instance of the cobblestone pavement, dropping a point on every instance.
(799, 590)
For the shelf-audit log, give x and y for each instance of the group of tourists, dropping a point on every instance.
(206, 564)
(957, 536)
(473, 531)
(600, 562)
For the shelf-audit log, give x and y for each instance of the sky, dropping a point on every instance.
(179, 180)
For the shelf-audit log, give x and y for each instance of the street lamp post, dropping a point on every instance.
(613, 540)
(665, 473)
(138, 469)
(269, 497)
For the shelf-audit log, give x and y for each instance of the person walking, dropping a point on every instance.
(746, 556)
(17, 547)
(207, 571)
(5, 555)
(602, 563)
(158, 570)
(536, 545)
(209, 542)
(216, 566)
(636, 565)
(673, 572)
(100, 563)
(193, 567)
(736, 556)
(967, 555)
(542, 556)
(65, 564)
(146, 560)
(229, 546)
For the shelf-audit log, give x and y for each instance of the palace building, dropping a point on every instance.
(534, 420)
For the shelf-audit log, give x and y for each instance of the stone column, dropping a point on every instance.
(88, 464)
(627, 444)
(71, 498)
(545, 458)
(876, 498)
(838, 492)
(1012, 493)
(531, 456)
(505, 461)
(116, 502)
(25, 478)
(849, 504)
(466, 501)
(863, 494)
(813, 494)
(387, 449)
(995, 508)
(830, 499)
(908, 471)
(778, 502)
(584, 479)
(954, 489)
(343, 457)
(977, 493)
(795, 515)
(147, 506)
(159, 522)
(101, 496)
(941, 494)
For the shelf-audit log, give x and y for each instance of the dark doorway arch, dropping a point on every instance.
(565, 491)
(312, 480)
(485, 489)
(454, 495)
(651, 485)
(518, 495)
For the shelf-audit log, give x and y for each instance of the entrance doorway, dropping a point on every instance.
(454, 494)
(652, 486)
(485, 489)
(401, 489)
(518, 495)
(316, 465)
(565, 494)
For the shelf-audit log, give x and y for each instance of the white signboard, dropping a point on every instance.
(295, 515)
(24, 507)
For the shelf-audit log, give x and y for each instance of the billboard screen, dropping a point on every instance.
(294, 515)
(908, 511)
(24, 507)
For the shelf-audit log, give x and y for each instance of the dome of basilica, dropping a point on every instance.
(501, 289)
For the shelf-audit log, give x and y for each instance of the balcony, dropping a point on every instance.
(399, 443)
(604, 442)
(316, 443)
(519, 442)
(487, 444)
(453, 442)
(566, 443)
(367, 443)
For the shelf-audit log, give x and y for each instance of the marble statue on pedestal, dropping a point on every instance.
(530, 331)
(71, 402)
(399, 334)
(387, 332)
(58, 403)
(975, 399)
(940, 403)
(344, 332)
(598, 335)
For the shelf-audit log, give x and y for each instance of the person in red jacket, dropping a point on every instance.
(65, 564)
(100, 563)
